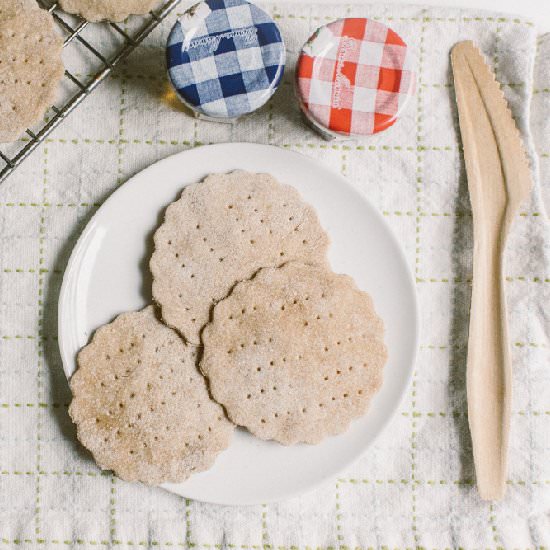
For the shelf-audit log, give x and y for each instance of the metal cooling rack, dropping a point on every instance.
(73, 29)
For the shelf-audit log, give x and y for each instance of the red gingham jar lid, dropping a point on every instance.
(354, 77)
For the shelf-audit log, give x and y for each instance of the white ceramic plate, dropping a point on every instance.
(107, 275)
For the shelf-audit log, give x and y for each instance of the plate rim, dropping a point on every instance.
(410, 279)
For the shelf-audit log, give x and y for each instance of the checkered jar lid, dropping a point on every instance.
(354, 77)
(225, 58)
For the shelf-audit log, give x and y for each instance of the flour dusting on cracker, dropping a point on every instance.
(221, 231)
(31, 66)
(142, 407)
(295, 354)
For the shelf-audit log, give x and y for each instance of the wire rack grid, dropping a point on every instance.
(102, 64)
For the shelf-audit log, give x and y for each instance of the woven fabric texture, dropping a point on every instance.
(415, 487)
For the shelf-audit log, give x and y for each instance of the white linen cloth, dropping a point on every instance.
(415, 486)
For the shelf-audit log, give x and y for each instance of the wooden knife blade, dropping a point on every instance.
(499, 179)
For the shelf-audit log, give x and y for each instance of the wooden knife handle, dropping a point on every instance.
(488, 370)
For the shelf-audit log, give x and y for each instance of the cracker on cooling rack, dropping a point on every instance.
(31, 66)
(110, 10)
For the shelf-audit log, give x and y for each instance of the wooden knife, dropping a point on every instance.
(499, 180)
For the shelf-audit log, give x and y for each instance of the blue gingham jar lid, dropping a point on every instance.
(225, 58)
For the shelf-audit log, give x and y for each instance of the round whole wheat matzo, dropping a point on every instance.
(110, 10)
(221, 231)
(141, 406)
(31, 66)
(10, 8)
(295, 353)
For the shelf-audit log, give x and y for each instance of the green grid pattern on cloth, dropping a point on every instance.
(416, 487)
